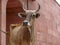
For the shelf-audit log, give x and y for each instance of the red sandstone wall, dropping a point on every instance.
(47, 26)
(3, 21)
(0, 21)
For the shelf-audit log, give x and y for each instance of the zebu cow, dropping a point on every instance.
(24, 33)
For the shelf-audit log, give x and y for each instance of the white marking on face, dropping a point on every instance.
(28, 24)
(30, 10)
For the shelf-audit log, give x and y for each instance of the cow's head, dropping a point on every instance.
(29, 15)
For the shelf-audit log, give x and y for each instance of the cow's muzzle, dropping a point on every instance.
(26, 23)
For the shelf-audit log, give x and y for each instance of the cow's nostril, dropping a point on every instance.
(25, 23)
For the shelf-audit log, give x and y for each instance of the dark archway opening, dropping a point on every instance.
(12, 9)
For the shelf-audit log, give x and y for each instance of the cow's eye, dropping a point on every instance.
(24, 16)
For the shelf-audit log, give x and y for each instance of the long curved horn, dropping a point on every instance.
(24, 8)
(32, 10)
(38, 8)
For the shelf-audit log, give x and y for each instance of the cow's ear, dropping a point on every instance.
(22, 15)
(37, 15)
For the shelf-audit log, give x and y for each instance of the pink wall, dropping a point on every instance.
(47, 26)
(0, 21)
(3, 21)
